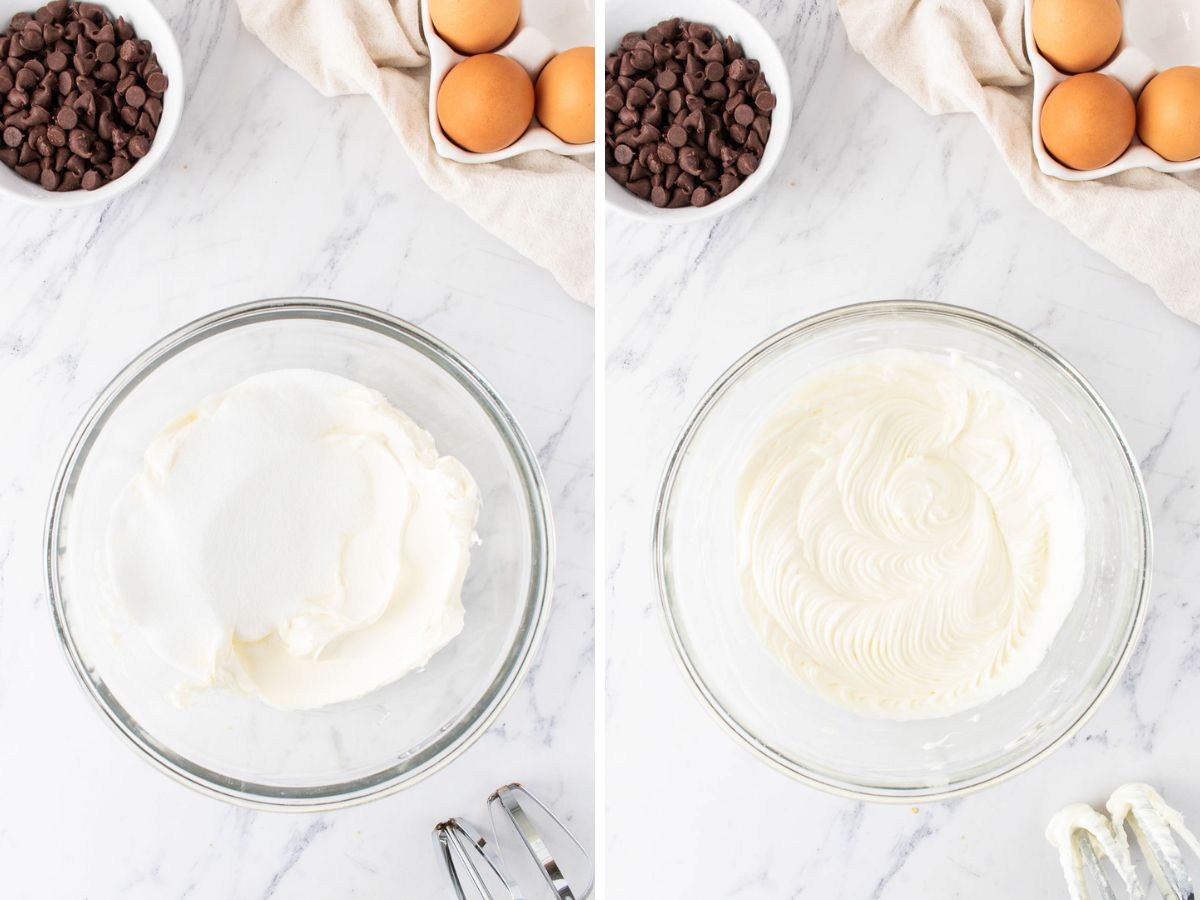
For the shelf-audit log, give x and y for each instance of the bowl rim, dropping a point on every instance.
(171, 59)
(781, 122)
(777, 760)
(539, 594)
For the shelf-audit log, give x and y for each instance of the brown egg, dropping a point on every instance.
(485, 103)
(1076, 35)
(566, 95)
(1088, 121)
(1168, 114)
(474, 26)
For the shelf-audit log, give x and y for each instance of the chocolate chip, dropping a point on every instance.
(639, 188)
(13, 137)
(619, 174)
(139, 146)
(80, 142)
(765, 101)
(687, 115)
(689, 160)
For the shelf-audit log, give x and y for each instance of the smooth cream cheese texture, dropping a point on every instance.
(296, 538)
(910, 536)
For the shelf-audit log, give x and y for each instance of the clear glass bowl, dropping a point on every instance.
(764, 705)
(237, 748)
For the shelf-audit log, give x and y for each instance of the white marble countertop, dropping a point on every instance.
(874, 200)
(268, 190)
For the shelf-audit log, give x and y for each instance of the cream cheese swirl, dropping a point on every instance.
(910, 535)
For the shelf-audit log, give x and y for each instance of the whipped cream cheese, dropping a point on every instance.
(295, 538)
(910, 536)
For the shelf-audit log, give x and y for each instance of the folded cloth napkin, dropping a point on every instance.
(969, 56)
(540, 203)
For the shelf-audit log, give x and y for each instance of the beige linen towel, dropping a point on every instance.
(968, 56)
(540, 203)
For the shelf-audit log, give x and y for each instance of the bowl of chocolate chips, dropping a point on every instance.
(90, 97)
(697, 105)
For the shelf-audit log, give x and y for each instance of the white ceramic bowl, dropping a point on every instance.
(766, 706)
(624, 16)
(232, 746)
(149, 24)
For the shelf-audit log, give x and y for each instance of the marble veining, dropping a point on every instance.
(873, 200)
(268, 190)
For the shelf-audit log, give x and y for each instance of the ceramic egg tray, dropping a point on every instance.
(543, 31)
(1158, 26)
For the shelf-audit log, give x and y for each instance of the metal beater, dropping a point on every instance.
(1093, 845)
(472, 861)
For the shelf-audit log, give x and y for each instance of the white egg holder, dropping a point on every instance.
(532, 48)
(1130, 65)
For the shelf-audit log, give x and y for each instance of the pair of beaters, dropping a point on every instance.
(531, 856)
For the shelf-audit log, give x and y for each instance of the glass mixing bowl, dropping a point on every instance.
(235, 747)
(764, 705)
